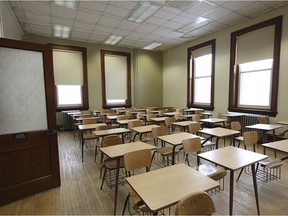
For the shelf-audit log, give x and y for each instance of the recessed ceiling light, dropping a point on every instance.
(113, 39)
(73, 4)
(197, 23)
(152, 46)
(61, 31)
(143, 11)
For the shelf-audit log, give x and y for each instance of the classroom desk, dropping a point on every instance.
(80, 119)
(118, 151)
(265, 128)
(175, 140)
(192, 110)
(182, 124)
(233, 158)
(164, 187)
(158, 120)
(233, 117)
(213, 121)
(281, 145)
(171, 113)
(117, 131)
(142, 130)
(282, 122)
(124, 123)
(219, 132)
(86, 127)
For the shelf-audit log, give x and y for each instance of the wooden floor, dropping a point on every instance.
(80, 192)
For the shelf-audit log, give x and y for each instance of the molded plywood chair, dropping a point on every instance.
(134, 161)
(168, 123)
(99, 144)
(271, 167)
(193, 146)
(235, 125)
(164, 151)
(194, 129)
(88, 134)
(198, 203)
(110, 164)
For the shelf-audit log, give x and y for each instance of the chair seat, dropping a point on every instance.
(216, 173)
(166, 151)
(112, 163)
(239, 138)
(90, 136)
(208, 144)
(271, 163)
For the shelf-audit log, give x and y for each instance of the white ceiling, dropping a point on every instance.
(94, 21)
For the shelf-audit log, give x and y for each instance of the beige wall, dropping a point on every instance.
(175, 68)
(10, 26)
(146, 66)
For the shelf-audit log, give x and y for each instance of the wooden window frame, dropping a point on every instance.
(190, 81)
(234, 76)
(128, 87)
(85, 105)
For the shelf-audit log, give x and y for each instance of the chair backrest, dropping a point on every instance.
(216, 115)
(169, 121)
(263, 120)
(194, 127)
(159, 131)
(137, 160)
(134, 123)
(192, 145)
(199, 112)
(123, 117)
(198, 203)
(89, 121)
(179, 110)
(103, 127)
(196, 117)
(112, 114)
(111, 140)
(235, 125)
(150, 115)
(250, 138)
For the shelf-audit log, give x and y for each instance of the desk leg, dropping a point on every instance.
(173, 155)
(255, 187)
(217, 142)
(82, 142)
(231, 192)
(116, 185)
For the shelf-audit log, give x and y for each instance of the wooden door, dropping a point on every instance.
(29, 160)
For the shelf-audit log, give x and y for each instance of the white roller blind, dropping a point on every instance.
(256, 45)
(201, 52)
(68, 67)
(116, 77)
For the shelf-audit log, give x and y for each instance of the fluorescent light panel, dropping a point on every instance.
(113, 39)
(143, 11)
(73, 4)
(61, 31)
(197, 23)
(152, 46)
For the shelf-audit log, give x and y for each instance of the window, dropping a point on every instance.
(201, 70)
(70, 72)
(116, 81)
(254, 68)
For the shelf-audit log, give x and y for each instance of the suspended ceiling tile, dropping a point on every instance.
(84, 16)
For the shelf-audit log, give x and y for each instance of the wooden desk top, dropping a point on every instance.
(232, 114)
(278, 145)
(171, 113)
(123, 122)
(213, 120)
(158, 119)
(266, 127)
(81, 118)
(232, 158)
(219, 132)
(111, 131)
(192, 109)
(90, 126)
(166, 186)
(121, 149)
(144, 129)
(183, 123)
(282, 122)
(113, 117)
(177, 138)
